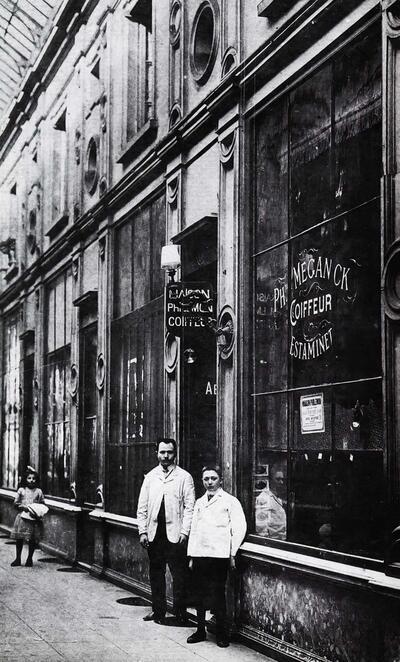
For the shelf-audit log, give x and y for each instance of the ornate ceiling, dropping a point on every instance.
(22, 26)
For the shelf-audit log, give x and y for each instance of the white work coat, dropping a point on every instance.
(177, 488)
(270, 516)
(218, 526)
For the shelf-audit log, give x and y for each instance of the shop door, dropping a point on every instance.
(87, 447)
(199, 389)
(25, 455)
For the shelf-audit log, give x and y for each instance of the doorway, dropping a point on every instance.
(87, 447)
(27, 421)
(198, 352)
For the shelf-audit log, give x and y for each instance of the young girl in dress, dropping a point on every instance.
(27, 529)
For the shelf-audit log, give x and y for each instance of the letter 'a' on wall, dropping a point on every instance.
(318, 433)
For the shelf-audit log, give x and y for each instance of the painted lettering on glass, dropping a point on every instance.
(317, 284)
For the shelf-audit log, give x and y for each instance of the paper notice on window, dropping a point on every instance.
(312, 416)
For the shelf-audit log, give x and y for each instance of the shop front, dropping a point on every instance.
(313, 564)
(271, 343)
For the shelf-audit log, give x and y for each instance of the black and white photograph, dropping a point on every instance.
(199, 330)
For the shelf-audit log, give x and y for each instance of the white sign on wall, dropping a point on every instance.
(312, 416)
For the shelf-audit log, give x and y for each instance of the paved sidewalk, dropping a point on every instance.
(47, 615)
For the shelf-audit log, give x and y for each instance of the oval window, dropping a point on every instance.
(92, 166)
(31, 236)
(175, 22)
(204, 41)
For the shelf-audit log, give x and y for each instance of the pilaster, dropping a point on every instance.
(228, 257)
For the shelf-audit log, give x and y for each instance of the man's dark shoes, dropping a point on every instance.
(16, 562)
(222, 643)
(157, 618)
(199, 635)
(28, 563)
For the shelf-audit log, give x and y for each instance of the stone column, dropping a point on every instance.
(228, 293)
(38, 432)
(228, 285)
(73, 377)
(103, 363)
(172, 344)
(391, 244)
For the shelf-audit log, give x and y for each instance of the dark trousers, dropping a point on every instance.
(162, 552)
(209, 582)
(221, 628)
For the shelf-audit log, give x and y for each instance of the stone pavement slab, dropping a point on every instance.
(34, 650)
(50, 616)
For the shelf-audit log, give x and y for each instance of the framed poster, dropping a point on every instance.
(312, 416)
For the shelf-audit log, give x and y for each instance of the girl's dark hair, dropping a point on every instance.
(28, 472)
(212, 467)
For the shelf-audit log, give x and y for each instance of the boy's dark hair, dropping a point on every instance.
(28, 472)
(167, 440)
(212, 467)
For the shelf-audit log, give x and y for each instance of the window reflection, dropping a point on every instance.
(358, 418)
(11, 395)
(312, 498)
(56, 458)
(310, 142)
(334, 497)
(357, 84)
(271, 176)
(137, 354)
(271, 312)
(271, 428)
(318, 408)
(270, 500)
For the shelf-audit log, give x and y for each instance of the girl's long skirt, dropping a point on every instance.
(28, 530)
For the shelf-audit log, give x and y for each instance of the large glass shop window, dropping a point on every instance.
(56, 459)
(11, 403)
(137, 335)
(318, 464)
